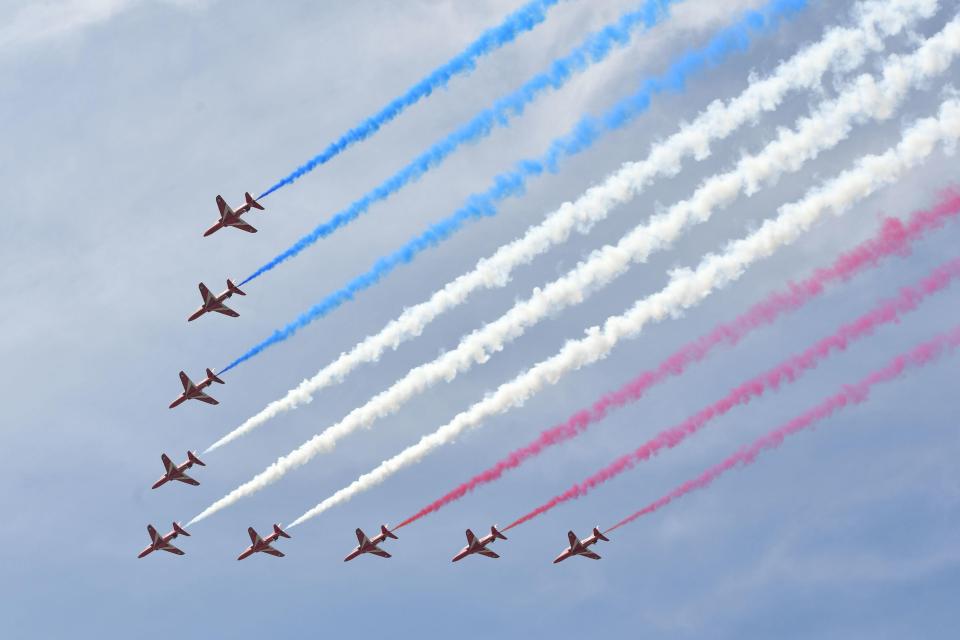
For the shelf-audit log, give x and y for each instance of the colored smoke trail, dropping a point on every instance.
(785, 373)
(831, 123)
(842, 49)
(582, 137)
(894, 238)
(686, 289)
(595, 48)
(848, 395)
(520, 21)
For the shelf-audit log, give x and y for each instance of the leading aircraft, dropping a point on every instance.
(579, 547)
(162, 543)
(232, 218)
(262, 545)
(193, 391)
(479, 545)
(176, 472)
(215, 303)
(370, 546)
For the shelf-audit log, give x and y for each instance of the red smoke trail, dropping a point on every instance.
(895, 237)
(786, 372)
(855, 394)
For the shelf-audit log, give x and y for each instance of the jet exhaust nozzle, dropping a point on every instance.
(280, 532)
(192, 457)
(212, 376)
(599, 536)
(387, 532)
(180, 531)
(232, 288)
(251, 202)
(496, 534)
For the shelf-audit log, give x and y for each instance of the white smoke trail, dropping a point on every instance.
(840, 49)
(686, 288)
(832, 122)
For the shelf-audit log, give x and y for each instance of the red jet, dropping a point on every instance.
(370, 546)
(262, 545)
(215, 303)
(579, 547)
(162, 543)
(174, 472)
(475, 545)
(195, 391)
(231, 218)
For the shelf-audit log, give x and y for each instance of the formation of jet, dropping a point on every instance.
(580, 547)
(231, 218)
(262, 545)
(479, 545)
(177, 472)
(366, 545)
(162, 543)
(215, 303)
(193, 391)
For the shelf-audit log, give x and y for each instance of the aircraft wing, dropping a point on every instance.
(172, 549)
(168, 464)
(206, 294)
(219, 307)
(243, 226)
(377, 551)
(254, 538)
(471, 539)
(589, 554)
(154, 536)
(223, 207)
(272, 551)
(202, 397)
(187, 479)
(488, 553)
(362, 538)
(572, 537)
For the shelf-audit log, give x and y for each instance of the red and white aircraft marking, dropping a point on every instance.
(479, 545)
(162, 543)
(231, 218)
(370, 546)
(193, 391)
(579, 547)
(176, 472)
(215, 303)
(262, 545)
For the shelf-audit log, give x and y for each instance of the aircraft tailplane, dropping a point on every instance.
(212, 376)
(280, 532)
(496, 533)
(192, 457)
(232, 288)
(386, 532)
(251, 202)
(599, 536)
(180, 531)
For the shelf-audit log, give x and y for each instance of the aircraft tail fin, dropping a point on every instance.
(496, 533)
(232, 288)
(387, 532)
(192, 457)
(180, 531)
(599, 536)
(213, 376)
(251, 202)
(280, 532)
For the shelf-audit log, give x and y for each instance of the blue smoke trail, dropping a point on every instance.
(730, 40)
(595, 48)
(524, 19)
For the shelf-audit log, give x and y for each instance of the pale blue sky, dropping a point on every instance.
(120, 126)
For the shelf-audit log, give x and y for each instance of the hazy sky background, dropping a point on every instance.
(122, 120)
